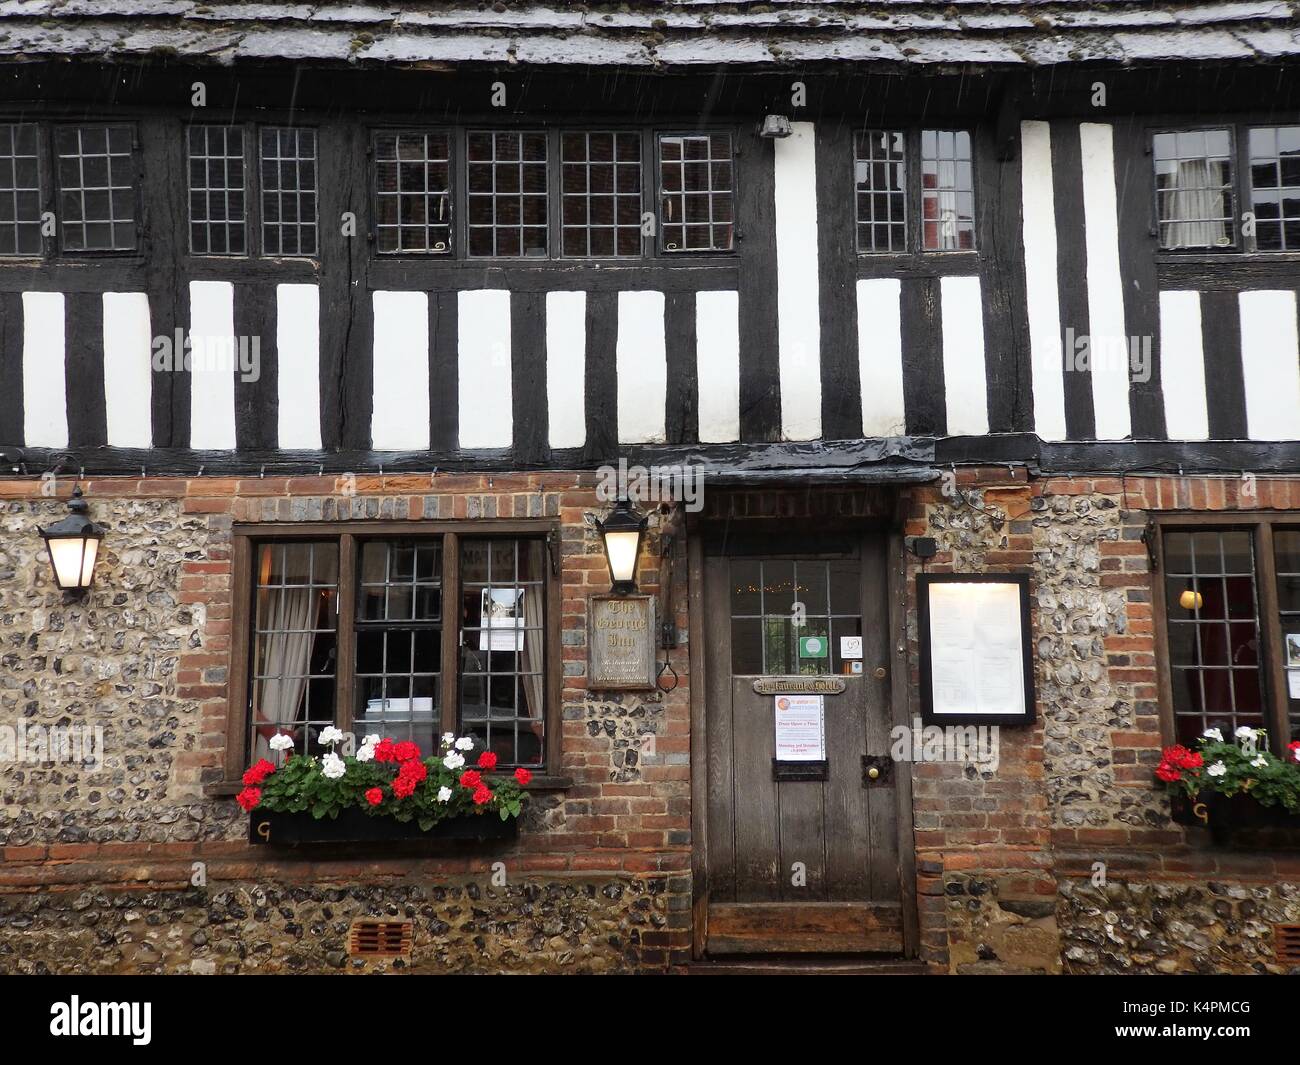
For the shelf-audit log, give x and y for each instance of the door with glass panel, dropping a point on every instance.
(801, 856)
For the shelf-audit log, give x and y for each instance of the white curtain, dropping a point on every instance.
(284, 662)
(534, 685)
(1196, 208)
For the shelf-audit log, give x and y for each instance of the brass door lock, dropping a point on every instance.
(879, 673)
(876, 769)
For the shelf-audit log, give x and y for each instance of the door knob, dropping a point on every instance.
(873, 773)
(878, 673)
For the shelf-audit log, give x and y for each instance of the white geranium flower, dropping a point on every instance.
(1258, 762)
(444, 794)
(454, 760)
(1213, 734)
(1245, 732)
(366, 753)
(372, 739)
(1217, 770)
(465, 743)
(332, 766)
(448, 738)
(281, 741)
(329, 734)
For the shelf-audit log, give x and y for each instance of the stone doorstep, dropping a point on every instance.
(806, 966)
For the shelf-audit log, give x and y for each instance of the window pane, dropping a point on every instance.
(1213, 632)
(294, 644)
(20, 191)
(785, 615)
(878, 173)
(96, 188)
(413, 192)
(1275, 187)
(216, 170)
(503, 647)
(506, 172)
(601, 195)
(695, 186)
(1194, 189)
(288, 171)
(947, 191)
(399, 640)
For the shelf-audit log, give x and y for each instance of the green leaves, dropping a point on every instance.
(300, 785)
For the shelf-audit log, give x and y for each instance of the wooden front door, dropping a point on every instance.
(800, 865)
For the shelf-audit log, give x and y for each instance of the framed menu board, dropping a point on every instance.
(976, 665)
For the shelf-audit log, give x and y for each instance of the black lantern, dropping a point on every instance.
(622, 532)
(73, 544)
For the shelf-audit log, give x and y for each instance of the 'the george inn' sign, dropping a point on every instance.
(620, 642)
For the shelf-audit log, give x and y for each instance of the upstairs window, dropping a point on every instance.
(288, 169)
(1275, 187)
(1228, 188)
(221, 205)
(20, 190)
(413, 192)
(914, 191)
(1194, 188)
(218, 208)
(600, 183)
(696, 183)
(96, 171)
(507, 180)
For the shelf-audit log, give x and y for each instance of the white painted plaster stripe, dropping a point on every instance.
(128, 369)
(213, 358)
(1182, 367)
(566, 363)
(880, 356)
(483, 368)
(399, 419)
(717, 365)
(1270, 364)
(642, 367)
(1042, 296)
(45, 397)
(965, 383)
(297, 350)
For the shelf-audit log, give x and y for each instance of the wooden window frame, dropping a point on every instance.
(245, 538)
(1260, 524)
(914, 250)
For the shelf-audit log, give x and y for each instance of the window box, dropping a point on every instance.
(1224, 815)
(271, 828)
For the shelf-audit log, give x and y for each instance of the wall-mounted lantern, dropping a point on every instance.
(622, 532)
(73, 544)
(775, 127)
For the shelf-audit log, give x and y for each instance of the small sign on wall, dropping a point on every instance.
(975, 641)
(621, 642)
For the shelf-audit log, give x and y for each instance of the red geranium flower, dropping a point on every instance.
(482, 795)
(375, 796)
(1294, 748)
(1193, 760)
(487, 760)
(523, 775)
(1167, 772)
(403, 787)
(406, 750)
(471, 779)
(258, 772)
(413, 770)
(385, 751)
(249, 798)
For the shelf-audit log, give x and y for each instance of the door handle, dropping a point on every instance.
(879, 673)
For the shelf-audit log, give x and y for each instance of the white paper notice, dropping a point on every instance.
(850, 646)
(1293, 683)
(800, 728)
(976, 652)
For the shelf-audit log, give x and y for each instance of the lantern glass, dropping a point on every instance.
(73, 559)
(621, 548)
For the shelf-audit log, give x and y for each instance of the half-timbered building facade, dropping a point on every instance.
(352, 322)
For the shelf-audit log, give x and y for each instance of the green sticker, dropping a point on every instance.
(812, 646)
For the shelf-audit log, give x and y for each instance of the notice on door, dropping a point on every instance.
(800, 728)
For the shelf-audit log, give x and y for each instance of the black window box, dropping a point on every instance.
(1224, 815)
(356, 826)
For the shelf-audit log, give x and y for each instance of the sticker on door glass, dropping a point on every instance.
(850, 646)
(813, 646)
(800, 728)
